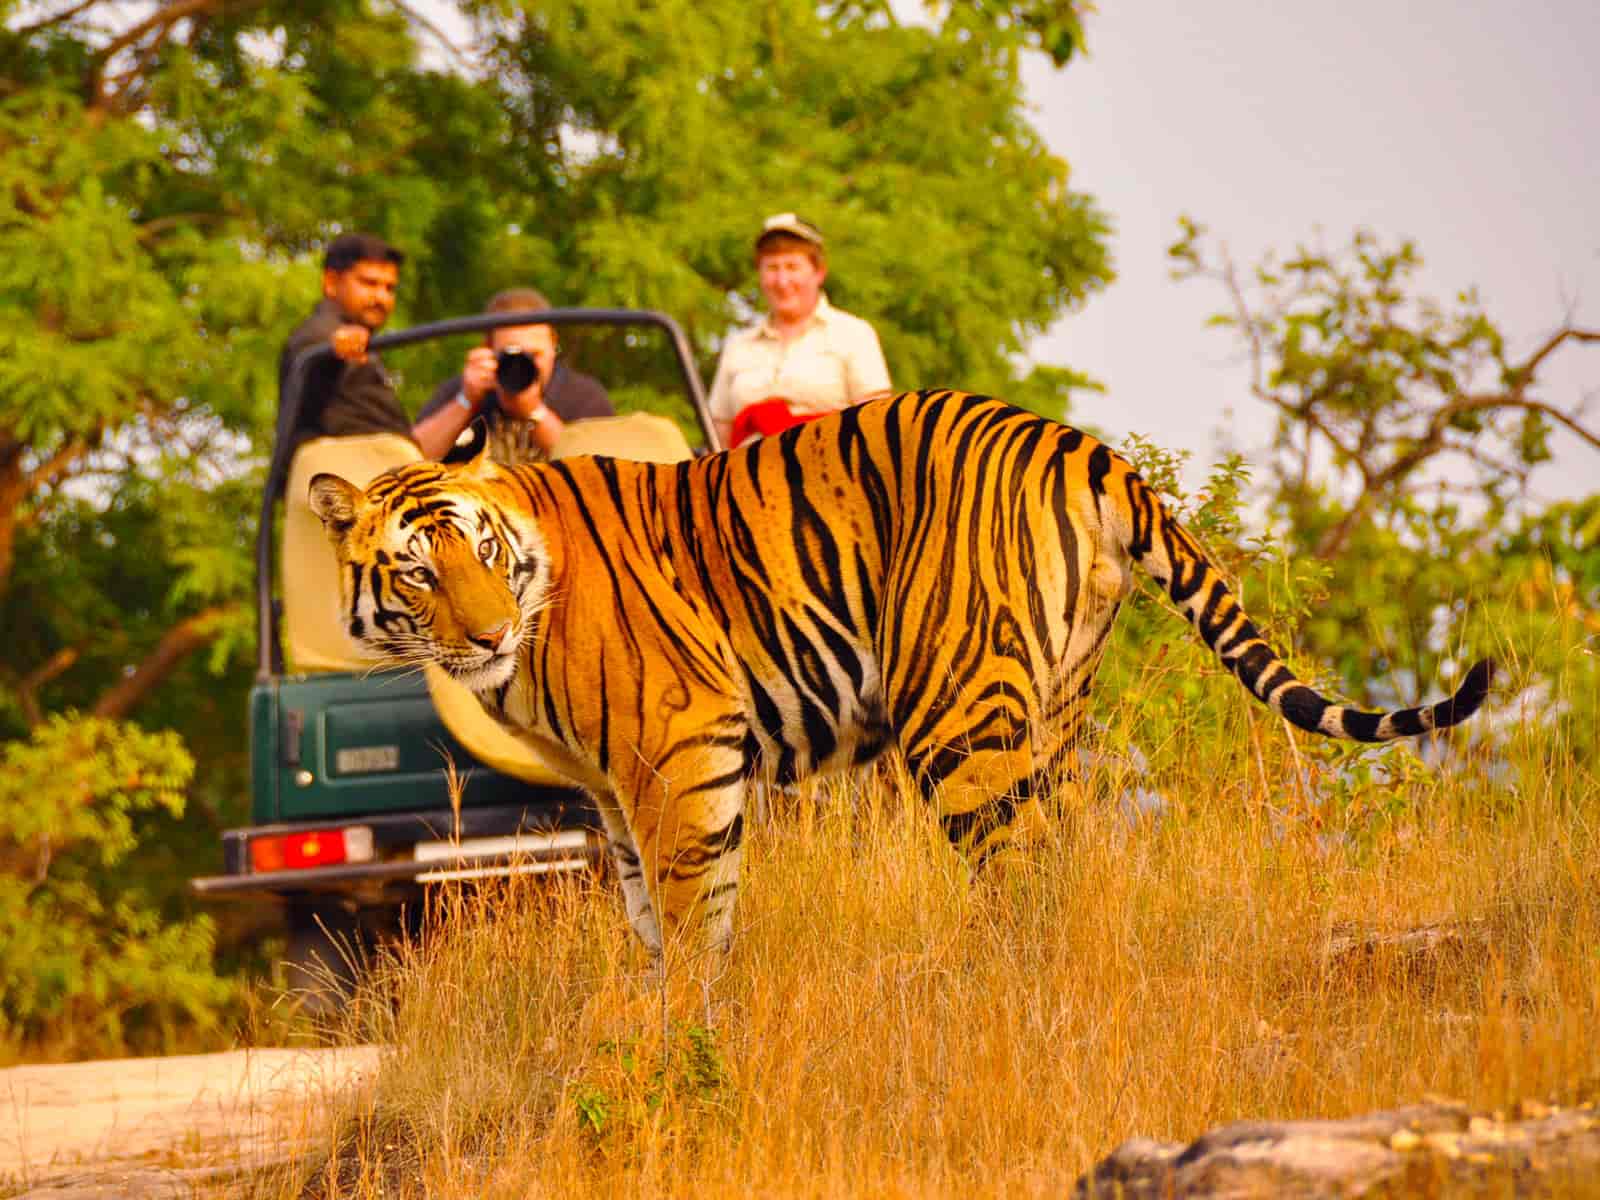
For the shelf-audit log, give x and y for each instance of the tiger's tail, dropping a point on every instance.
(1175, 560)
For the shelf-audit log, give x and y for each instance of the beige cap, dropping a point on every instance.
(792, 224)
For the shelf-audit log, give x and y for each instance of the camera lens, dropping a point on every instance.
(515, 370)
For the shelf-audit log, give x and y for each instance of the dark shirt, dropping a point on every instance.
(571, 395)
(340, 398)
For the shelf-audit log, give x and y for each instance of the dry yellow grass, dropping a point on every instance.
(886, 1027)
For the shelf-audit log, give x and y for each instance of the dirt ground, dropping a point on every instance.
(157, 1127)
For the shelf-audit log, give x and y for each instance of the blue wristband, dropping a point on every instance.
(461, 399)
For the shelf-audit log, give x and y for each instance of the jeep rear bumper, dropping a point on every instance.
(409, 850)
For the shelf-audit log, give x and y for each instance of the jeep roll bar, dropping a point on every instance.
(269, 650)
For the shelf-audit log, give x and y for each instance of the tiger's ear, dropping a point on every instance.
(334, 501)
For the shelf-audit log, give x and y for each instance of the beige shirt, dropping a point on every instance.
(832, 363)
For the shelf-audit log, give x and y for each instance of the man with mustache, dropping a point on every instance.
(352, 393)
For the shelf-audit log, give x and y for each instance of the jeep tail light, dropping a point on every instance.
(313, 848)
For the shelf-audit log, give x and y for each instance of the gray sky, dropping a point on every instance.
(1472, 126)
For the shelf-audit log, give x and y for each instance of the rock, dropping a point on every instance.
(1430, 1149)
(156, 1127)
(1418, 954)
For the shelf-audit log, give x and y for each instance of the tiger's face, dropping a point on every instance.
(433, 570)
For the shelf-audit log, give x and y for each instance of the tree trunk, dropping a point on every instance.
(12, 489)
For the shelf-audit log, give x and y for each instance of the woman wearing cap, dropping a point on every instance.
(807, 358)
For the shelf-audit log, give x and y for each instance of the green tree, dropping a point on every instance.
(1406, 437)
(1378, 390)
(77, 954)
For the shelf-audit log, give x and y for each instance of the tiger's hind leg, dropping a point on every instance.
(989, 797)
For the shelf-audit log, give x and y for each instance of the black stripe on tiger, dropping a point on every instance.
(691, 859)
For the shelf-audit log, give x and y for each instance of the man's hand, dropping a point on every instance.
(350, 342)
(477, 377)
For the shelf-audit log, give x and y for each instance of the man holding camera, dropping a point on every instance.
(517, 385)
(351, 393)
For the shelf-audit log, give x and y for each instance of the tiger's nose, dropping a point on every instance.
(491, 639)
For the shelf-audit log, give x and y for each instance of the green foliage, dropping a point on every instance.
(1157, 666)
(1366, 791)
(1168, 693)
(79, 781)
(1544, 577)
(633, 1084)
(84, 954)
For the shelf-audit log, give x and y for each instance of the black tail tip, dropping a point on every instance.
(1469, 696)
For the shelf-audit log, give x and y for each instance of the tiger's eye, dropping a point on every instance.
(420, 576)
(488, 549)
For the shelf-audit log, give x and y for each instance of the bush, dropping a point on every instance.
(85, 958)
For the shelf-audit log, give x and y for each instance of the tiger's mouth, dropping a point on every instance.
(482, 670)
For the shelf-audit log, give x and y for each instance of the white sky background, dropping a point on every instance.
(1471, 126)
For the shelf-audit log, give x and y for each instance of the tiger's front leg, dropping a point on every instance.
(630, 873)
(686, 821)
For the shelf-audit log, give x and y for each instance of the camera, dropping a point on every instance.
(515, 370)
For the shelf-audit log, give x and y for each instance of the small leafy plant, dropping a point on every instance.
(632, 1084)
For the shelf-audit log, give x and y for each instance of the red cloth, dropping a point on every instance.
(767, 417)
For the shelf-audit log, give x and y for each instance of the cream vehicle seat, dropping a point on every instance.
(640, 436)
(314, 637)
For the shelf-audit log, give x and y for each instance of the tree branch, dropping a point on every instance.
(1527, 369)
(13, 490)
(1250, 325)
(1331, 544)
(160, 19)
(183, 639)
(56, 465)
(1432, 441)
(1557, 415)
(161, 22)
(28, 686)
(1307, 412)
(1247, 322)
(123, 85)
(435, 32)
(157, 226)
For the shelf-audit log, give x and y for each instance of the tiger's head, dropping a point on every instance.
(435, 568)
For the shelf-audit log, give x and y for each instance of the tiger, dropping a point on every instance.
(933, 571)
